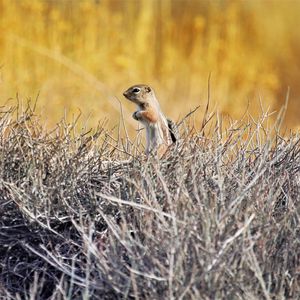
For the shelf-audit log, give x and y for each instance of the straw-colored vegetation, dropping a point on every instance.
(80, 54)
(85, 215)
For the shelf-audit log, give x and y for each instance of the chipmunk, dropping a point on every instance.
(160, 131)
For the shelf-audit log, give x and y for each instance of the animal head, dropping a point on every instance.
(139, 94)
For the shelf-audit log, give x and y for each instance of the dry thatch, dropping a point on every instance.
(82, 215)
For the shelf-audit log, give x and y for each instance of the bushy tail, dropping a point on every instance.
(173, 129)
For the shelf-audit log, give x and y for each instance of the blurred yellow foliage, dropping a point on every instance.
(81, 54)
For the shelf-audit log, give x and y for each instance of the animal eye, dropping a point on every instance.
(136, 90)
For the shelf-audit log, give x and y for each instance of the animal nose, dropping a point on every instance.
(125, 94)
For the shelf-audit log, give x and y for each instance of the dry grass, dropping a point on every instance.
(84, 216)
(81, 53)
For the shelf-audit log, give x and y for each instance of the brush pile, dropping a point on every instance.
(85, 216)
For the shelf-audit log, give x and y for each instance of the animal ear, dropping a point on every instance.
(148, 89)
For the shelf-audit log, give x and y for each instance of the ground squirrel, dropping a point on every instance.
(160, 131)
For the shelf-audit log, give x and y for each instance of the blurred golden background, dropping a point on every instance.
(80, 55)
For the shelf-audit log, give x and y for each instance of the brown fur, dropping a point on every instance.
(150, 115)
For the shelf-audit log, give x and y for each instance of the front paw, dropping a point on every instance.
(136, 115)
